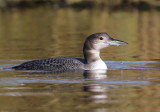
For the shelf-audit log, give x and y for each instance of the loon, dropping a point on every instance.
(91, 51)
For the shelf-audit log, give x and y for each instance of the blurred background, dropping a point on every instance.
(34, 29)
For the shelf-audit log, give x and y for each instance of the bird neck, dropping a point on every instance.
(91, 55)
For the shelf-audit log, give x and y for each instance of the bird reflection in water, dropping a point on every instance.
(99, 88)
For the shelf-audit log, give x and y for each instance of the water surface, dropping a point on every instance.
(131, 84)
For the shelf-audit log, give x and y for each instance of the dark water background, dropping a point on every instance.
(132, 84)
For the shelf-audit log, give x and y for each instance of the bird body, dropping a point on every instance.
(56, 64)
(91, 50)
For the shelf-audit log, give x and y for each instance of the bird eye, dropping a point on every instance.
(101, 38)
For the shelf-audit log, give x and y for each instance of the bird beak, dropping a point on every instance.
(116, 42)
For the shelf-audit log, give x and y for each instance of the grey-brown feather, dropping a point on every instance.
(53, 64)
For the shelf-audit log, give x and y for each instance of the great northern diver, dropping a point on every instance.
(91, 50)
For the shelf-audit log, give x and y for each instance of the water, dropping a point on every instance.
(131, 84)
